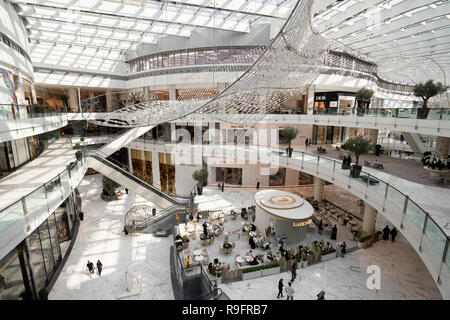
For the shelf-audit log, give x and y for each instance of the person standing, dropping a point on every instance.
(205, 229)
(386, 232)
(126, 190)
(290, 292)
(393, 234)
(320, 226)
(344, 249)
(90, 268)
(293, 271)
(99, 267)
(223, 186)
(280, 288)
(177, 218)
(257, 185)
(306, 143)
(321, 295)
(334, 233)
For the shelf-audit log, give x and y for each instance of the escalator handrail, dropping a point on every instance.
(139, 181)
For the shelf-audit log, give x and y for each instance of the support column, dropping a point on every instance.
(130, 161)
(33, 94)
(318, 189)
(172, 93)
(144, 167)
(441, 150)
(370, 219)
(173, 132)
(372, 136)
(155, 170)
(109, 102)
(73, 100)
(20, 91)
(310, 106)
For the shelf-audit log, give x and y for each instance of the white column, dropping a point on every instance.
(155, 169)
(33, 94)
(130, 162)
(370, 219)
(73, 100)
(172, 93)
(310, 105)
(318, 189)
(144, 167)
(442, 144)
(173, 132)
(20, 91)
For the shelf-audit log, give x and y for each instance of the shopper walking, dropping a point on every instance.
(257, 185)
(393, 234)
(99, 267)
(90, 268)
(290, 292)
(223, 186)
(293, 271)
(126, 190)
(386, 232)
(280, 288)
(333, 233)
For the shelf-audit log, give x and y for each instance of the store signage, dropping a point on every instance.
(301, 223)
(321, 98)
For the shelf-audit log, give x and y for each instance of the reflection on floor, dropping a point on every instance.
(100, 237)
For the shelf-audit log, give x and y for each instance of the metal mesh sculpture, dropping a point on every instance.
(288, 65)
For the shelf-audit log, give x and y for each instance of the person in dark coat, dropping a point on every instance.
(99, 267)
(252, 243)
(257, 185)
(393, 234)
(90, 267)
(205, 228)
(320, 226)
(386, 232)
(280, 288)
(294, 270)
(333, 233)
(223, 186)
(126, 190)
(344, 249)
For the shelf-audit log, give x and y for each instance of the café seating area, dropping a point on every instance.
(239, 247)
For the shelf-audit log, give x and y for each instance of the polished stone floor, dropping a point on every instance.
(101, 238)
(402, 276)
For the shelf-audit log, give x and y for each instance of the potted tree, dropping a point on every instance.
(43, 294)
(358, 145)
(201, 176)
(79, 155)
(363, 97)
(290, 134)
(426, 91)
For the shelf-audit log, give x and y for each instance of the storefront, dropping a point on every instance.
(34, 262)
(334, 102)
(229, 175)
(328, 134)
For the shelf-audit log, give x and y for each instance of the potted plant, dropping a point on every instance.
(43, 294)
(426, 91)
(363, 97)
(359, 146)
(290, 134)
(201, 176)
(79, 155)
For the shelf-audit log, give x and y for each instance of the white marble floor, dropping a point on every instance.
(403, 276)
(34, 174)
(100, 237)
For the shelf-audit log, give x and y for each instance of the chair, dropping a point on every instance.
(233, 245)
(234, 216)
(228, 250)
(205, 242)
(211, 240)
(221, 249)
(185, 244)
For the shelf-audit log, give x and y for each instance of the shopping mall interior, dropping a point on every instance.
(204, 150)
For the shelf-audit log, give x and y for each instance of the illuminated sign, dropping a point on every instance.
(301, 223)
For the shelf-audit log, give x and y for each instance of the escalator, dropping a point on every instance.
(415, 142)
(123, 140)
(128, 180)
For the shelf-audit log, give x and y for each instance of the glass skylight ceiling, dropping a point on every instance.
(386, 31)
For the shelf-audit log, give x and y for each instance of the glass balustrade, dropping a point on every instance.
(44, 199)
(411, 113)
(15, 112)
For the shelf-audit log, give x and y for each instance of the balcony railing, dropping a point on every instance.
(413, 113)
(15, 112)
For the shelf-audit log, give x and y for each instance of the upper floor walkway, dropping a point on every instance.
(21, 121)
(432, 122)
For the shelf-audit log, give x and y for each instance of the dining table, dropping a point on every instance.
(197, 252)
(199, 258)
(240, 259)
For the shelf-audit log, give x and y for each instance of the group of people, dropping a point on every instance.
(435, 163)
(90, 267)
(347, 160)
(307, 143)
(221, 186)
(387, 232)
(290, 291)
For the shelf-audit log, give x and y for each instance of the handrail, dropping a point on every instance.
(14, 111)
(137, 180)
(42, 185)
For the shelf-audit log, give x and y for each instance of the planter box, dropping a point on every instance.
(251, 275)
(329, 256)
(270, 271)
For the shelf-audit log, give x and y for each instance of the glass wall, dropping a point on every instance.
(229, 175)
(14, 277)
